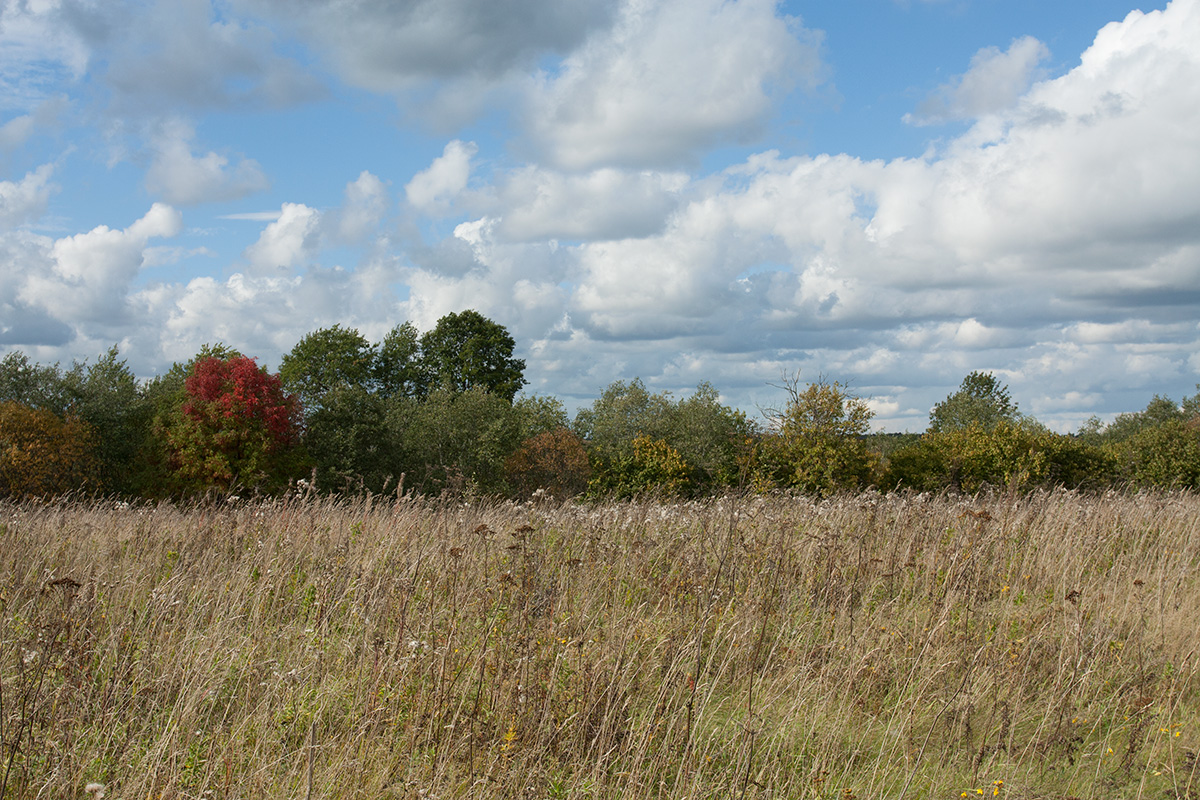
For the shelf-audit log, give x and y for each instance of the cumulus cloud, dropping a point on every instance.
(364, 206)
(994, 252)
(432, 191)
(84, 280)
(25, 200)
(286, 243)
(994, 83)
(1055, 242)
(605, 203)
(668, 79)
(185, 179)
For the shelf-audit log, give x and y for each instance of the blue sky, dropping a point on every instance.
(889, 193)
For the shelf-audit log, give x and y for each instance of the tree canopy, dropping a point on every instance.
(236, 428)
(469, 351)
(327, 359)
(981, 400)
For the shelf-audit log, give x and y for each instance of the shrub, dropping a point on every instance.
(555, 462)
(816, 444)
(1010, 455)
(42, 454)
(653, 468)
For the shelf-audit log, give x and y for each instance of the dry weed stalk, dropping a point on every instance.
(872, 646)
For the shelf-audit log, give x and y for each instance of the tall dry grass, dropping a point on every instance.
(1040, 647)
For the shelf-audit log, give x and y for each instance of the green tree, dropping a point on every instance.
(469, 351)
(398, 369)
(454, 441)
(981, 400)
(348, 441)
(705, 434)
(710, 437)
(109, 398)
(621, 413)
(1158, 446)
(32, 385)
(327, 359)
(104, 394)
(537, 414)
(815, 441)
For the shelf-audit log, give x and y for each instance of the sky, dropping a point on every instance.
(885, 193)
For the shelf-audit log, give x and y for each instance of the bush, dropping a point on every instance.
(554, 462)
(816, 444)
(42, 454)
(653, 468)
(1009, 455)
(1165, 455)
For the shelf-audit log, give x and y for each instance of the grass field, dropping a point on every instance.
(870, 647)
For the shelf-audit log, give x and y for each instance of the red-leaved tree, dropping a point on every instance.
(236, 428)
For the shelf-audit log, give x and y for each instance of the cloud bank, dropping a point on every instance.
(1055, 241)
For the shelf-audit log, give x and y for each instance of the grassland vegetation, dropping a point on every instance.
(1026, 646)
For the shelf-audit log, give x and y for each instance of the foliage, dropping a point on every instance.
(398, 371)
(554, 462)
(621, 413)
(104, 394)
(815, 442)
(981, 401)
(1009, 455)
(348, 441)
(107, 396)
(235, 429)
(703, 432)
(42, 454)
(454, 441)
(1166, 455)
(32, 385)
(324, 360)
(1156, 447)
(469, 351)
(653, 467)
(710, 437)
(537, 414)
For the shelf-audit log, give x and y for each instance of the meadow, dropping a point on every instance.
(1039, 646)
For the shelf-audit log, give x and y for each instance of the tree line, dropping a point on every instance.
(443, 412)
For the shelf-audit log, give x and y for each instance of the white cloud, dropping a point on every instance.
(39, 49)
(185, 179)
(670, 78)
(286, 243)
(432, 191)
(535, 204)
(993, 84)
(84, 280)
(998, 252)
(25, 201)
(1056, 242)
(364, 206)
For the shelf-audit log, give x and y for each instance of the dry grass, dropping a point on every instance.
(888, 647)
